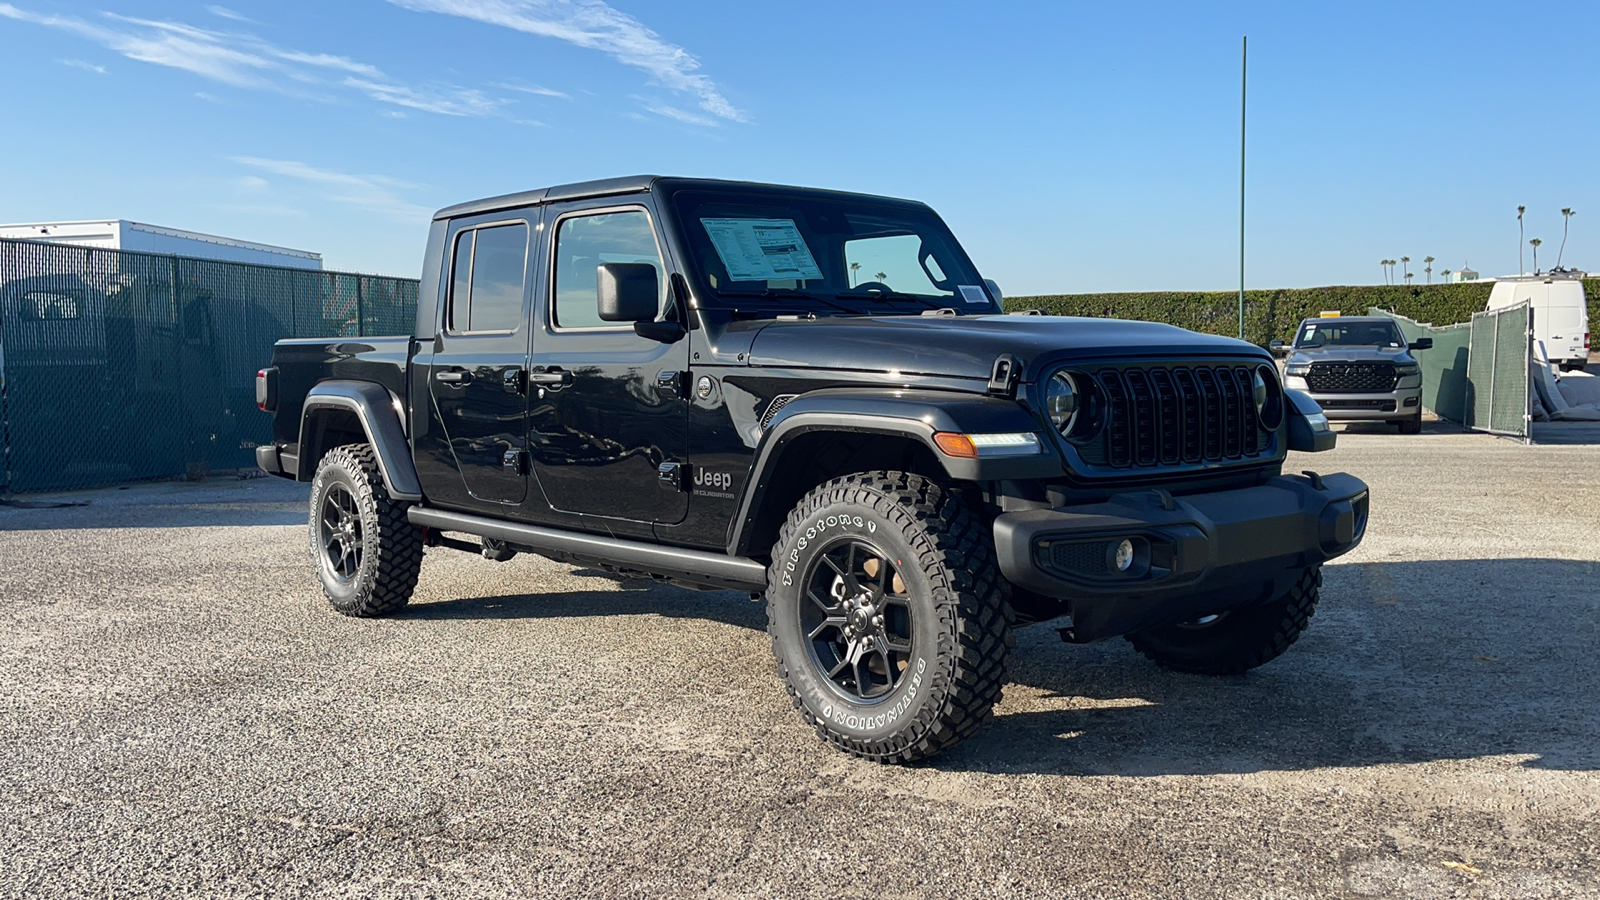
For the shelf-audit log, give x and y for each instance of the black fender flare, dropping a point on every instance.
(914, 414)
(380, 413)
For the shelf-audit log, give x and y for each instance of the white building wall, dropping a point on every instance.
(122, 234)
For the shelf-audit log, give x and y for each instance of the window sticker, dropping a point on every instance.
(761, 249)
(973, 295)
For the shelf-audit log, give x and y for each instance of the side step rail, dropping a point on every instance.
(694, 566)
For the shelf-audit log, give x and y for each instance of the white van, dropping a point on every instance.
(1560, 312)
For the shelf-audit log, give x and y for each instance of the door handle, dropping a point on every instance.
(452, 376)
(549, 376)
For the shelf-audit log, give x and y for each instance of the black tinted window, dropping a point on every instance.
(582, 244)
(487, 285)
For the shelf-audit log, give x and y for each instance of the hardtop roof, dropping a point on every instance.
(638, 184)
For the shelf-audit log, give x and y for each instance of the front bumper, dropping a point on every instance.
(1193, 556)
(1403, 403)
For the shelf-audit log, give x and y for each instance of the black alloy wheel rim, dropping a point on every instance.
(856, 618)
(339, 528)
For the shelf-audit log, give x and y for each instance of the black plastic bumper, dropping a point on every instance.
(1190, 556)
(276, 462)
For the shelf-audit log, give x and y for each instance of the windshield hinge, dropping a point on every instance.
(1003, 377)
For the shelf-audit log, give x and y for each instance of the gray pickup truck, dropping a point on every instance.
(1357, 368)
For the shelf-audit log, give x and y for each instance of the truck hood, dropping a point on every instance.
(966, 346)
(1397, 355)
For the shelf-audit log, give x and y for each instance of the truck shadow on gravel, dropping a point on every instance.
(1405, 662)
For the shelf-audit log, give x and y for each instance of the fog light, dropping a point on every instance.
(1122, 556)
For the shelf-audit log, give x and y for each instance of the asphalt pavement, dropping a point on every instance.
(181, 713)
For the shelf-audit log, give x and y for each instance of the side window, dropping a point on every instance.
(891, 260)
(487, 278)
(582, 244)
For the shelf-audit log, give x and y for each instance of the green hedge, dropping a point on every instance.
(1274, 314)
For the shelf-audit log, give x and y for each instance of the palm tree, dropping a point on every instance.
(1409, 276)
(1520, 211)
(1384, 265)
(854, 268)
(1444, 274)
(1428, 261)
(882, 277)
(1566, 217)
(1536, 242)
(1388, 271)
(1403, 261)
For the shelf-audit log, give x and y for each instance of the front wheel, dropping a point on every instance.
(888, 616)
(1235, 641)
(1412, 425)
(367, 554)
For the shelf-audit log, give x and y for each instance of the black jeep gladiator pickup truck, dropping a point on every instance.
(814, 397)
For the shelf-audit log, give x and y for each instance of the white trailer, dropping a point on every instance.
(121, 234)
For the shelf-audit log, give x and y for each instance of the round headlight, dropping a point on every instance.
(1268, 397)
(1061, 401)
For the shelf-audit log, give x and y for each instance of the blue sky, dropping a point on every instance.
(1071, 146)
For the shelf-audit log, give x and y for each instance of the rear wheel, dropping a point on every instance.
(367, 554)
(1235, 641)
(888, 616)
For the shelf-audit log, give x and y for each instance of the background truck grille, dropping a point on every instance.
(1176, 416)
(1339, 378)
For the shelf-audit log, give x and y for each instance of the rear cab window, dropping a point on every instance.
(488, 279)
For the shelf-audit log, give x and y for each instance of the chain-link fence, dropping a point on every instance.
(1477, 372)
(120, 366)
(1497, 371)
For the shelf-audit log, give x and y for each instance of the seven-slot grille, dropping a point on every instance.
(1340, 378)
(1173, 416)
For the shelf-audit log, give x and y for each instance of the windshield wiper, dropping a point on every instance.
(928, 302)
(780, 294)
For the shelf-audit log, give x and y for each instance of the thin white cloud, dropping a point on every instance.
(86, 66)
(226, 13)
(690, 118)
(593, 25)
(373, 193)
(535, 89)
(246, 61)
(446, 102)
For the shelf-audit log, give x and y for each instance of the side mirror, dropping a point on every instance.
(1278, 348)
(1421, 344)
(629, 292)
(994, 290)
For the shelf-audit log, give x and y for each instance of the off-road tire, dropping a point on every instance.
(391, 553)
(960, 636)
(1412, 425)
(1238, 640)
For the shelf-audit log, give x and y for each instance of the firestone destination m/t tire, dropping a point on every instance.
(1235, 641)
(888, 616)
(366, 553)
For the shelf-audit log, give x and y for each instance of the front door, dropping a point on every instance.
(477, 371)
(605, 410)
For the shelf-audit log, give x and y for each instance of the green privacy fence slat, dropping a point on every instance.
(119, 366)
(1444, 368)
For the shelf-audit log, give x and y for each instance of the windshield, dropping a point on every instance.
(1334, 333)
(821, 253)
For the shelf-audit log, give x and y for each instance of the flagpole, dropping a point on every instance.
(1244, 62)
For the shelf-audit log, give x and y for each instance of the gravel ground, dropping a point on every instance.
(180, 712)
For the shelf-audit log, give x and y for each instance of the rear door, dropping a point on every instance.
(477, 371)
(606, 410)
